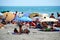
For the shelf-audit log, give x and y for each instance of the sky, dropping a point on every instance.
(29, 2)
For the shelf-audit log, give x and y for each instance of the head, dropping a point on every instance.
(52, 14)
(16, 11)
(15, 28)
(44, 17)
(22, 12)
(57, 14)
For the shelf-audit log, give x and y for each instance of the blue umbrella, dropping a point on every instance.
(16, 18)
(26, 14)
(25, 19)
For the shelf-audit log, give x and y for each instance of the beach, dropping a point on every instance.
(30, 20)
(6, 34)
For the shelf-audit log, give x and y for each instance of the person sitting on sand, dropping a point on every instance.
(39, 25)
(45, 25)
(52, 16)
(27, 24)
(15, 30)
(3, 21)
(20, 27)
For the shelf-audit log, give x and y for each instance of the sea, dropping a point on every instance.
(29, 9)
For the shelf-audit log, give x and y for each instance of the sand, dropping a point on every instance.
(6, 34)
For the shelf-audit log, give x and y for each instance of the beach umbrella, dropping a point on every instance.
(9, 16)
(44, 15)
(34, 18)
(16, 19)
(25, 19)
(49, 20)
(26, 14)
(1, 14)
(34, 15)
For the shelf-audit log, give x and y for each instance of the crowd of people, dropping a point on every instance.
(38, 24)
(33, 24)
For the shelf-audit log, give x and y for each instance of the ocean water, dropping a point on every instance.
(28, 9)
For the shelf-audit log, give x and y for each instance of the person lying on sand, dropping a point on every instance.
(26, 31)
(23, 29)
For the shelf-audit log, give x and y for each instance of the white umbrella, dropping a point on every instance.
(44, 14)
(34, 18)
(49, 20)
(1, 14)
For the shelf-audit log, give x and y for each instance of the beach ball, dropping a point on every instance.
(9, 16)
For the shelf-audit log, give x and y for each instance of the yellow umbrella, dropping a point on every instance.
(9, 16)
(34, 15)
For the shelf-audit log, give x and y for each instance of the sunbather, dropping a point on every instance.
(52, 16)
